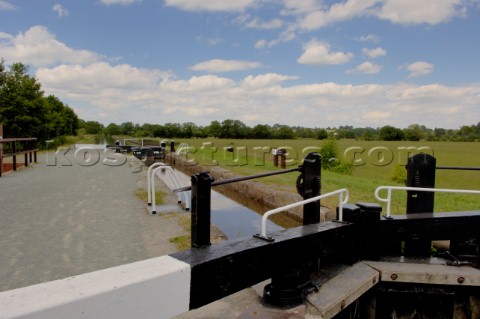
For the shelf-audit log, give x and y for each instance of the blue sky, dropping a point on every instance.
(310, 63)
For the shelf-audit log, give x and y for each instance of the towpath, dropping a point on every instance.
(63, 220)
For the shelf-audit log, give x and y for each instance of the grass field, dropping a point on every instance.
(375, 163)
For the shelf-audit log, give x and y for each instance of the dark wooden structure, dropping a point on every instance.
(13, 147)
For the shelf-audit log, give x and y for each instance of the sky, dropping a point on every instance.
(310, 63)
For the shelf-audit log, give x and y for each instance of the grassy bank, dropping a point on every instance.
(376, 163)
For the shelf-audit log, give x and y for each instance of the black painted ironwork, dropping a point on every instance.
(296, 254)
(201, 214)
(460, 168)
(420, 173)
(225, 268)
(240, 179)
(309, 186)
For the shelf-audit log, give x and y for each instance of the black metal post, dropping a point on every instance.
(283, 158)
(291, 281)
(201, 197)
(14, 144)
(366, 220)
(420, 173)
(309, 185)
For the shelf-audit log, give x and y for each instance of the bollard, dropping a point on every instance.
(366, 218)
(291, 282)
(275, 157)
(420, 173)
(283, 158)
(201, 215)
(309, 185)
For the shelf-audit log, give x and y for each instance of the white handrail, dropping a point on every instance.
(173, 178)
(341, 200)
(181, 147)
(150, 168)
(419, 189)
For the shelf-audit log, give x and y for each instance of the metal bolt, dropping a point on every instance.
(461, 280)
(394, 276)
(343, 304)
(374, 281)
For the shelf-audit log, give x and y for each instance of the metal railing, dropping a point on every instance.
(389, 189)
(341, 201)
(184, 147)
(172, 182)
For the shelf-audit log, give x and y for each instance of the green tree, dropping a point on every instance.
(390, 133)
(329, 153)
(415, 132)
(322, 134)
(92, 127)
(262, 131)
(113, 129)
(234, 129)
(284, 132)
(215, 129)
(24, 110)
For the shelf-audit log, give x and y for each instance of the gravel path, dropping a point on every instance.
(58, 221)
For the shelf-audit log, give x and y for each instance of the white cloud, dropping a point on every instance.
(418, 12)
(313, 15)
(368, 38)
(217, 66)
(205, 83)
(122, 2)
(286, 35)
(38, 47)
(319, 53)
(154, 96)
(374, 53)
(265, 80)
(257, 23)
(60, 10)
(6, 6)
(296, 7)
(347, 10)
(419, 69)
(366, 68)
(211, 5)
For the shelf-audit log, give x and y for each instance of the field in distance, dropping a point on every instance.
(375, 163)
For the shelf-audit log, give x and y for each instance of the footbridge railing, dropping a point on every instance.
(171, 179)
(342, 199)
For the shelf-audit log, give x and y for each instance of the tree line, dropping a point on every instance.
(236, 129)
(25, 111)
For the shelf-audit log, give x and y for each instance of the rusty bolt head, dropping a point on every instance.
(461, 280)
(394, 276)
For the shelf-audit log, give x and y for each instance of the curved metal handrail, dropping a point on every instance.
(389, 189)
(341, 201)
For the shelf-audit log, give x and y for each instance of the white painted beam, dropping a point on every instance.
(153, 288)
